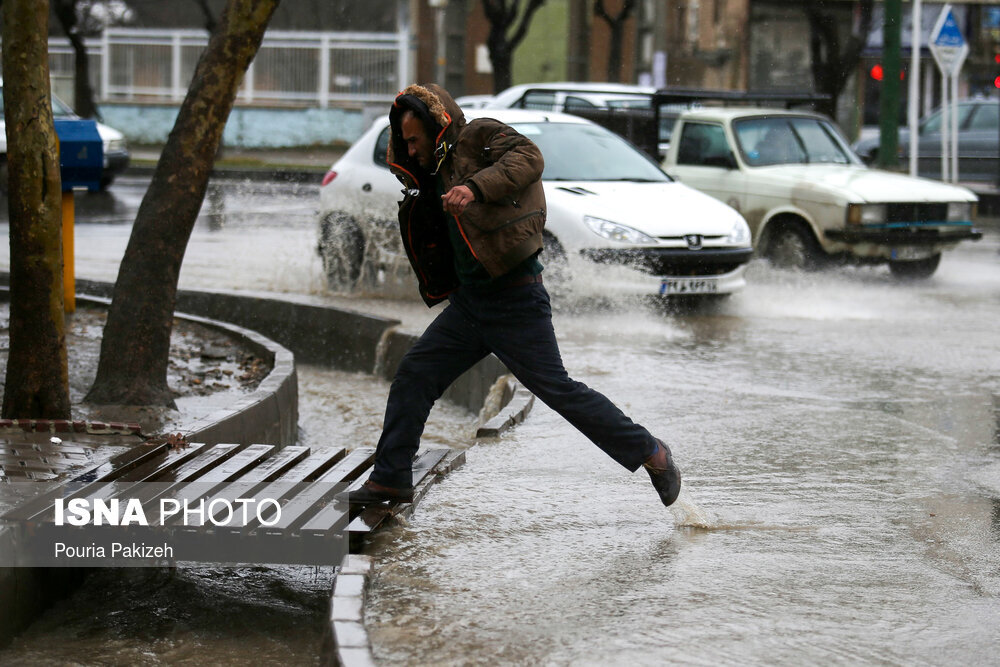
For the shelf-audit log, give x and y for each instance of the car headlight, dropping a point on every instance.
(739, 235)
(866, 214)
(114, 146)
(616, 232)
(960, 211)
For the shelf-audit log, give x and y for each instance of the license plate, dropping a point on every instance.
(910, 252)
(688, 286)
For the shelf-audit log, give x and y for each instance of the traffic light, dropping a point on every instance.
(876, 72)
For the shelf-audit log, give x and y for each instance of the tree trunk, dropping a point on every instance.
(835, 60)
(37, 382)
(83, 95)
(615, 53)
(134, 352)
(500, 59)
(616, 46)
(502, 16)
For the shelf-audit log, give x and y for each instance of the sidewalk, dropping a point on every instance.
(306, 163)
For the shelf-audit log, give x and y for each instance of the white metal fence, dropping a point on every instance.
(292, 68)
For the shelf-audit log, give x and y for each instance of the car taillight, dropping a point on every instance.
(330, 175)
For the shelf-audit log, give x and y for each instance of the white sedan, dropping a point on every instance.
(617, 224)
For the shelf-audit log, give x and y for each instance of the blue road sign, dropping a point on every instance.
(949, 34)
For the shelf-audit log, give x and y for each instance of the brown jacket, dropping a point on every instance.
(502, 228)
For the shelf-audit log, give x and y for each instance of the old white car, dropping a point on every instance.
(808, 198)
(616, 224)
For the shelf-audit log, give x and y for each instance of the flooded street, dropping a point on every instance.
(839, 435)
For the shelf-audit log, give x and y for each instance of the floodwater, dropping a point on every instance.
(839, 435)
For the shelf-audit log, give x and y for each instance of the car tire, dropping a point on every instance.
(342, 249)
(918, 269)
(790, 245)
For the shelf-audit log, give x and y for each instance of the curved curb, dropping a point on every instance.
(270, 413)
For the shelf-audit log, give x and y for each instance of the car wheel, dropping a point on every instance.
(792, 246)
(917, 269)
(342, 247)
(554, 261)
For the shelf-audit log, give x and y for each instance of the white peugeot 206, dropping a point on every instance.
(617, 225)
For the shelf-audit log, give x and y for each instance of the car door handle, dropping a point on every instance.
(367, 187)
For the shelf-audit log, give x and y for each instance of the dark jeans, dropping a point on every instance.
(515, 324)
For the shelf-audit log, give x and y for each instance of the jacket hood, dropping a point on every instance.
(442, 117)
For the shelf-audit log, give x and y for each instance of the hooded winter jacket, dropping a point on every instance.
(502, 227)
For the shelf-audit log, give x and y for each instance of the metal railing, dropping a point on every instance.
(292, 68)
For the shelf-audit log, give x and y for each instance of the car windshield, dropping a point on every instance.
(790, 140)
(578, 152)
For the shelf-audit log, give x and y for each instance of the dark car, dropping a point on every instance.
(978, 144)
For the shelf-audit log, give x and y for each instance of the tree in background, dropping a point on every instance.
(502, 16)
(86, 17)
(616, 23)
(835, 56)
(37, 381)
(135, 349)
(210, 21)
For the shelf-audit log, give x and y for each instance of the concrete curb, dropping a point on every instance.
(277, 173)
(270, 413)
(513, 413)
(346, 641)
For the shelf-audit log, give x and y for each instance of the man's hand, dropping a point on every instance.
(455, 200)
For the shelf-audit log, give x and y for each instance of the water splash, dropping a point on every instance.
(687, 513)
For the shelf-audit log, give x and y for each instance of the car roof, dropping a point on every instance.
(507, 97)
(511, 116)
(725, 114)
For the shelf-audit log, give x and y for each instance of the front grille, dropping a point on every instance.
(673, 261)
(913, 212)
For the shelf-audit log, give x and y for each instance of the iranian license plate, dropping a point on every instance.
(689, 286)
(910, 252)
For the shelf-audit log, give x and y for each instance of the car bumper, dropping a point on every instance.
(115, 163)
(905, 236)
(673, 261)
(666, 271)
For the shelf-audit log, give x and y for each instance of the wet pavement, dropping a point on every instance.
(840, 439)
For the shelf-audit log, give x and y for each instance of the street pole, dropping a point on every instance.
(889, 104)
(945, 126)
(914, 102)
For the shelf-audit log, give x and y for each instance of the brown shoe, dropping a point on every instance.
(370, 492)
(664, 474)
